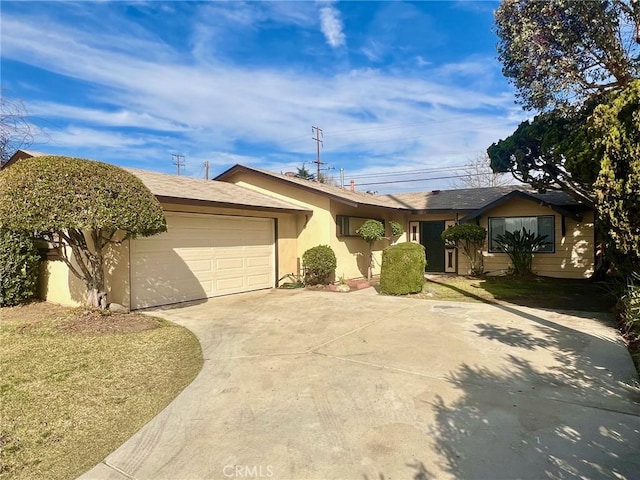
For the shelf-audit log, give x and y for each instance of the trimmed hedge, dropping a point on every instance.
(19, 265)
(402, 269)
(319, 263)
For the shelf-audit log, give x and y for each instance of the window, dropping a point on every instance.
(347, 226)
(537, 225)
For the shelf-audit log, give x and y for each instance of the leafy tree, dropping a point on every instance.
(477, 173)
(552, 151)
(615, 128)
(396, 229)
(305, 174)
(19, 263)
(469, 239)
(371, 231)
(564, 58)
(79, 205)
(564, 52)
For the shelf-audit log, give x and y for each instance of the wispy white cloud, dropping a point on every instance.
(331, 25)
(206, 108)
(116, 118)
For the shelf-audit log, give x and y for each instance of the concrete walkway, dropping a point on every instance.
(319, 385)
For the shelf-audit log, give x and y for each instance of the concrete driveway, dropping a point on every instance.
(319, 385)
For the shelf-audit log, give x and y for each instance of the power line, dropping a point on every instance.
(407, 172)
(422, 179)
(335, 133)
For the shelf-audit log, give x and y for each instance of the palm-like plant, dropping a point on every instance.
(305, 174)
(520, 246)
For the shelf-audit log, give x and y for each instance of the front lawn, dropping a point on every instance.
(75, 384)
(537, 292)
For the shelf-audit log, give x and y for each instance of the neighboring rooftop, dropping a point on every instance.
(20, 154)
(178, 189)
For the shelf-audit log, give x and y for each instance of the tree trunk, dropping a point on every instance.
(96, 296)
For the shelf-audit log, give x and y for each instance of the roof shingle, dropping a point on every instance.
(172, 186)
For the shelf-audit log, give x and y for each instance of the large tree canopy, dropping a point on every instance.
(616, 131)
(79, 204)
(552, 151)
(562, 52)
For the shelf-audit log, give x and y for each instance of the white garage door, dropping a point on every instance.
(202, 256)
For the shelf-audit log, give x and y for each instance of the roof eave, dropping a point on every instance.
(235, 206)
(517, 193)
(241, 168)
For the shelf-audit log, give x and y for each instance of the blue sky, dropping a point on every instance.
(394, 86)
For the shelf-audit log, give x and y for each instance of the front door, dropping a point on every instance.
(430, 237)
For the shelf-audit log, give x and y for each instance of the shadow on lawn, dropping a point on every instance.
(576, 418)
(539, 292)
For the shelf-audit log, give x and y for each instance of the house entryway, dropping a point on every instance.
(429, 234)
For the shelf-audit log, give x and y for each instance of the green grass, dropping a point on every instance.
(69, 398)
(537, 292)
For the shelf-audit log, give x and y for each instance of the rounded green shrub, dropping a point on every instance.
(402, 269)
(371, 231)
(396, 228)
(319, 264)
(19, 264)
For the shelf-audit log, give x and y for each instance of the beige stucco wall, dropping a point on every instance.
(320, 228)
(352, 252)
(58, 285)
(573, 256)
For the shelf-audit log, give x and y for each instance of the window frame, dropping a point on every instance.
(345, 218)
(537, 217)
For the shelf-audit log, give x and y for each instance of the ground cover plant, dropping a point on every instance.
(75, 384)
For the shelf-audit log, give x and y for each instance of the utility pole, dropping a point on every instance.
(206, 169)
(317, 131)
(178, 161)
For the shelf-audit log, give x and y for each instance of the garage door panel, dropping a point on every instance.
(254, 280)
(261, 261)
(229, 285)
(230, 264)
(202, 256)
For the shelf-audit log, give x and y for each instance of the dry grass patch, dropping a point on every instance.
(76, 384)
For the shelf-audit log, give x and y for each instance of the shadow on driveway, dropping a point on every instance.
(318, 385)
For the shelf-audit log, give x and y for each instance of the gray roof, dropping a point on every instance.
(344, 195)
(172, 187)
(469, 199)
